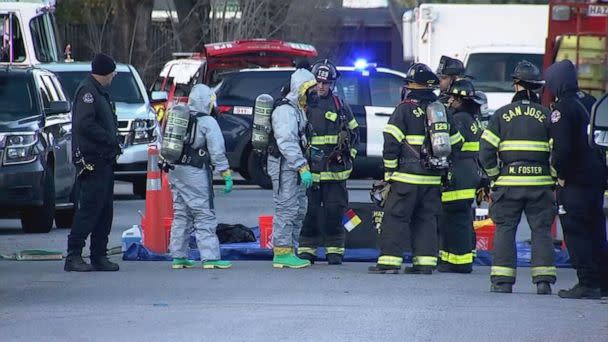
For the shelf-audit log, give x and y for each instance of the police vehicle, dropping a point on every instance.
(137, 122)
(371, 92)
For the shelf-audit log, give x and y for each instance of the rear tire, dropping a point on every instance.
(139, 188)
(257, 172)
(40, 219)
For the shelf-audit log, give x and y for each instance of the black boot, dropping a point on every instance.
(103, 264)
(418, 270)
(502, 288)
(383, 269)
(580, 292)
(308, 256)
(543, 288)
(74, 263)
(334, 259)
(447, 268)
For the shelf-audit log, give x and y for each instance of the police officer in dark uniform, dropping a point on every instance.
(95, 148)
(514, 151)
(413, 205)
(448, 71)
(582, 175)
(456, 224)
(332, 136)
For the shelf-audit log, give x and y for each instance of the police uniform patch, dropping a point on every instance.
(555, 116)
(87, 98)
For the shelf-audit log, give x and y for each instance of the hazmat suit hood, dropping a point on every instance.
(201, 99)
(301, 81)
(560, 78)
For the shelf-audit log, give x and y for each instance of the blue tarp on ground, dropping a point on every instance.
(135, 251)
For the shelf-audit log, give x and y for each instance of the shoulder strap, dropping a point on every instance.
(337, 102)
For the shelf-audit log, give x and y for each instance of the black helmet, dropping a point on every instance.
(421, 74)
(450, 67)
(325, 71)
(527, 75)
(462, 88)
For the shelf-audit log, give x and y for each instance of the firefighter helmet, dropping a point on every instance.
(462, 88)
(421, 74)
(450, 67)
(527, 75)
(325, 71)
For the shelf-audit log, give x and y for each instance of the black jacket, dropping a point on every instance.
(515, 148)
(327, 119)
(573, 159)
(405, 134)
(94, 123)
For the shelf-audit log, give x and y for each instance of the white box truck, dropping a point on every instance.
(489, 39)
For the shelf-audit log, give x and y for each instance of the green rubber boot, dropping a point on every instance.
(221, 264)
(285, 258)
(182, 263)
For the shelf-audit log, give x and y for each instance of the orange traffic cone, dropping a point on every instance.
(166, 203)
(153, 233)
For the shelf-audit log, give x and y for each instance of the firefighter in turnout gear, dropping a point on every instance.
(332, 137)
(413, 205)
(514, 151)
(448, 71)
(456, 224)
(581, 173)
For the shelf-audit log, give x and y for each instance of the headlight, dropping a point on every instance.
(144, 131)
(20, 148)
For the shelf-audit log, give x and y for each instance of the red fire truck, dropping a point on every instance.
(179, 75)
(578, 31)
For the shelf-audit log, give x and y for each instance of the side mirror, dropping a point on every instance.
(159, 96)
(58, 107)
(598, 125)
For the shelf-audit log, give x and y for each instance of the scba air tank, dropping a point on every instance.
(176, 130)
(262, 125)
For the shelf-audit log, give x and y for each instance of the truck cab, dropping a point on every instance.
(28, 34)
(578, 31)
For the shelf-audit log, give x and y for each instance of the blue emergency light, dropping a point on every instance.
(361, 64)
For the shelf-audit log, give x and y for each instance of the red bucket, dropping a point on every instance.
(485, 237)
(265, 223)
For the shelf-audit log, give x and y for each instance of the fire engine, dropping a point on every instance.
(578, 31)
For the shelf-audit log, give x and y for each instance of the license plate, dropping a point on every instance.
(243, 110)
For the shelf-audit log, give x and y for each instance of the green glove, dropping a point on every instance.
(306, 176)
(227, 175)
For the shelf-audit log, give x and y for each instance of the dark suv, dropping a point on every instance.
(372, 94)
(36, 170)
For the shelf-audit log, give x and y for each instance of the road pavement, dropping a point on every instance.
(253, 302)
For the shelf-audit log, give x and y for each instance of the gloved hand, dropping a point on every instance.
(227, 175)
(306, 176)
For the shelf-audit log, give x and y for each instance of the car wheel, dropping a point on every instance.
(257, 172)
(139, 188)
(40, 219)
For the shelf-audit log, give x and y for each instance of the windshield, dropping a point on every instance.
(17, 100)
(123, 88)
(492, 71)
(6, 33)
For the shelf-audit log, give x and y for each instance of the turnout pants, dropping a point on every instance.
(327, 203)
(584, 226)
(193, 211)
(290, 203)
(94, 211)
(508, 203)
(411, 214)
(455, 235)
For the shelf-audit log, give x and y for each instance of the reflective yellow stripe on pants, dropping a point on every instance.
(424, 261)
(524, 181)
(544, 271)
(502, 271)
(415, 179)
(390, 260)
(456, 195)
(334, 250)
(308, 250)
(455, 258)
(331, 176)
